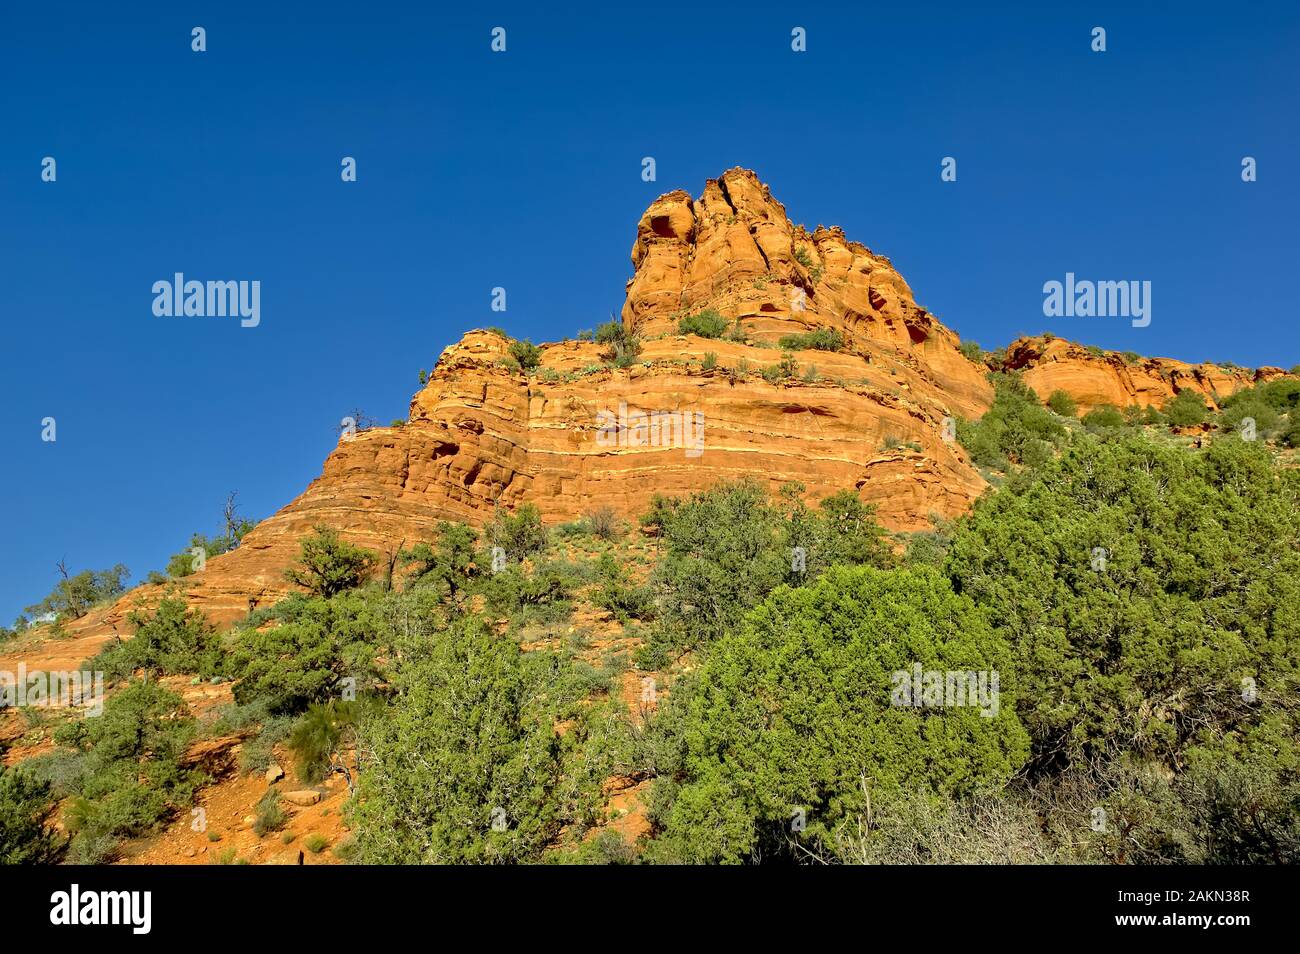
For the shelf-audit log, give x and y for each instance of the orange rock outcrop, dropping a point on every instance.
(871, 417)
(481, 433)
(1094, 377)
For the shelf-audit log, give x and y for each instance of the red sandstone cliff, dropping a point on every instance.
(871, 417)
(1093, 377)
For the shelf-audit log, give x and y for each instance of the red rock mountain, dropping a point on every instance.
(1094, 378)
(869, 417)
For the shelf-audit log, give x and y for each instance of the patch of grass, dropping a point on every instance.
(315, 843)
(270, 816)
(622, 346)
(256, 753)
(822, 339)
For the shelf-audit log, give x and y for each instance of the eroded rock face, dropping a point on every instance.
(871, 417)
(735, 250)
(481, 434)
(1094, 379)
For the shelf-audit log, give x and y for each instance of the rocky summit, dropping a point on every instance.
(864, 397)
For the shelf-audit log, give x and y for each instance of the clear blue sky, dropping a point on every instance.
(523, 170)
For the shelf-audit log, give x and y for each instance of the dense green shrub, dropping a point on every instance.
(842, 530)
(466, 764)
(328, 564)
(1273, 406)
(726, 548)
(26, 812)
(321, 735)
(1281, 395)
(1017, 429)
(526, 353)
(1136, 414)
(308, 657)
(174, 639)
(721, 554)
(1141, 585)
(793, 715)
(540, 594)
(617, 593)
(1061, 402)
(821, 339)
(1234, 416)
(519, 534)
(450, 564)
(610, 332)
(75, 594)
(1104, 417)
(133, 773)
(1186, 409)
(708, 323)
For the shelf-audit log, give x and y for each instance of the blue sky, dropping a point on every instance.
(522, 170)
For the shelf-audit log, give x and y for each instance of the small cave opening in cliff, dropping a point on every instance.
(662, 226)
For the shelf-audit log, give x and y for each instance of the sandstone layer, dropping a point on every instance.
(1094, 377)
(870, 417)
